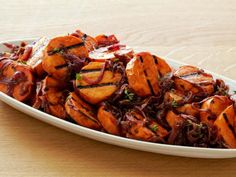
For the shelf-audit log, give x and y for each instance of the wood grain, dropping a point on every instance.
(198, 32)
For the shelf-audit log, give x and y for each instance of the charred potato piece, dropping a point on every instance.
(90, 42)
(16, 79)
(212, 108)
(53, 101)
(189, 109)
(173, 118)
(35, 61)
(104, 40)
(174, 97)
(225, 124)
(54, 62)
(134, 126)
(50, 97)
(144, 72)
(81, 112)
(194, 80)
(95, 85)
(109, 121)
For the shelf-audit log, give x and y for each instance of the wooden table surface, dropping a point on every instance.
(198, 32)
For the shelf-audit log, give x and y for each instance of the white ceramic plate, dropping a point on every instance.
(120, 141)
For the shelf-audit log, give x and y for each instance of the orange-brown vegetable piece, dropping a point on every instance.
(89, 41)
(225, 124)
(102, 90)
(54, 63)
(104, 40)
(137, 127)
(81, 112)
(194, 80)
(50, 97)
(16, 79)
(212, 107)
(109, 122)
(144, 72)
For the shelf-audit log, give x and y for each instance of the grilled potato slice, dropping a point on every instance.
(16, 79)
(144, 72)
(225, 124)
(54, 62)
(104, 40)
(50, 97)
(212, 107)
(189, 109)
(53, 101)
(108, 120)
(81, 112)
(135, 126)
(94, 85)
(194, 80)
(90, 42)
(172, 118)
(35, 61)
(174, 97)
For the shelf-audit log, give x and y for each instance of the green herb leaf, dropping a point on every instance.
(234, 91)
(116, 60)
(129, 95)
(174, 104)
(22, 62)
(78, 76)
(154, 128)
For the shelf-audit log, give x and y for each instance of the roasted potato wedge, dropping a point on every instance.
(16, 79)
(225, 124)
(95, 85)
(108, 120)
(212, 107)
(55, 63)
(144, 72)
(81, 112)
(194, 80)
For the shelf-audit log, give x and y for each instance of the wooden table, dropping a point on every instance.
(202, 33)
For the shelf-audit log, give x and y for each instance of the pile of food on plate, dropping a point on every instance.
(101, 84)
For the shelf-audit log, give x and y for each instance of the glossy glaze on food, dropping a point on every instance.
(101, 84)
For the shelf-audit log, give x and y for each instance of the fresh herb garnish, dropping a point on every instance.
(129, 95)
(174, 104)
(78, 76)
(22, 62)
(154, 128)
(234, 91)
(116, 60)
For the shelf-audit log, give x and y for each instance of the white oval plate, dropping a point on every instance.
(120, 141)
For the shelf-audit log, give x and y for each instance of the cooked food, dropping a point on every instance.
(97, 82)
(61, 53)
(81, 112)
(144, 73)
(101, 84)
(16, 79)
